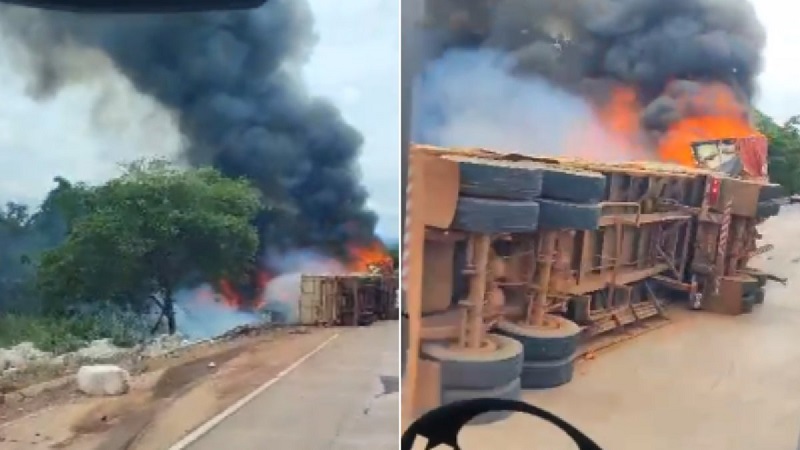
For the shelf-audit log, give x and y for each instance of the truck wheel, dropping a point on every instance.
(758, 296)
(768, 209)
(554, 214)
(481, 215)
(573, 185)
(509, 391)
(750, 286)
(500, 179)
(747, 304)
(771, 192)
(477, 370)
(547, 374)
(545, 343)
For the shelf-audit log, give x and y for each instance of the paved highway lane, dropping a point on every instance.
(343, 397)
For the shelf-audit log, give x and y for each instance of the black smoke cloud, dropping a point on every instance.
(588, 46)
(232, 81)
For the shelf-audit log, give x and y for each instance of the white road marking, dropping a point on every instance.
(200, 431)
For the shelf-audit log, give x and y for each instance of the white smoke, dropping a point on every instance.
(201, 313)
(469, 98)
(283, 292)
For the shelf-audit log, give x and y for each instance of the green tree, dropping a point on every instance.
(146, 233)
(784, 150)
(394, 253)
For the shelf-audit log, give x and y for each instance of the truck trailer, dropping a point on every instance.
(514, 264)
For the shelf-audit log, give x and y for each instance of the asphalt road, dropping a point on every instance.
(706, 382)
(342, 398)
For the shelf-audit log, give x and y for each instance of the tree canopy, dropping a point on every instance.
(143, 235)
(784, 150)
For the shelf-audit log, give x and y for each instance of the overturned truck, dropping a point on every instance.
(513, 262)
(348, 300)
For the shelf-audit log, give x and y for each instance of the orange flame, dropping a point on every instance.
(615, 134)
(370, 257)
(620, 114)
(620, 118)
(232, 298)
(724, 118)
(712, 112)
(361, 259)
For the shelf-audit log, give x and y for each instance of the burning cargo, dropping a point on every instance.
(348, 300)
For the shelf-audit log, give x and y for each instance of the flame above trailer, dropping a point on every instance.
(602, 80)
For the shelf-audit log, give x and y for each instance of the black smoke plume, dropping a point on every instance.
(586, 47)
(232, 80)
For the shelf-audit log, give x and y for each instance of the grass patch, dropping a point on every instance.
(61, 334)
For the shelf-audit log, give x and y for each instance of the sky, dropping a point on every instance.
(355, 64)
(779, 94)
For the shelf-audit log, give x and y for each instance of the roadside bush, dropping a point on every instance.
(66, 333)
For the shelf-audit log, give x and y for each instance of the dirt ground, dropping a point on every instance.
(199, 383)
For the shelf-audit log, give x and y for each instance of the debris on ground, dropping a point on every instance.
(24, 365)
(21, 355)
(165, 344)
(246, 331)
(103, 380)
(166, 395)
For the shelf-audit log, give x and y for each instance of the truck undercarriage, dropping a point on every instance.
(513, 263)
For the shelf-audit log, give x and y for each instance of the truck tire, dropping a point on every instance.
(758, 296)
(481, 215)
(750, 286)
(544, 344)
(509, 391)
(747, 303)
(573, 185)
(555, 214)
(771, 192)
(768, 209)
(478, 370)
(500, 179)
(547, 374)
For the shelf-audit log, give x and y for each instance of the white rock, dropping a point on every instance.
(103, 379)
(10, 358)
(31, 354)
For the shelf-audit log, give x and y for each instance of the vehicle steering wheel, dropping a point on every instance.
(442, 425)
